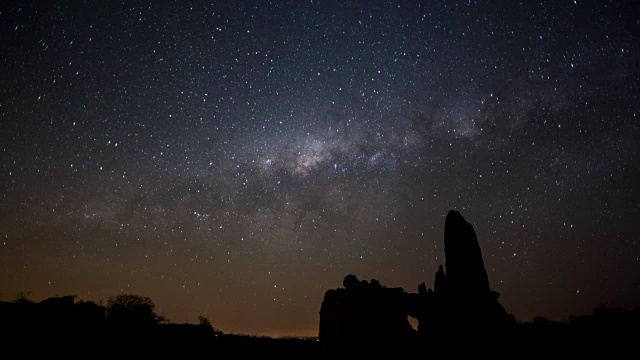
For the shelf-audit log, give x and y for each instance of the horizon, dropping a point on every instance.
(237, 160)
(313, 332)
(412, 321)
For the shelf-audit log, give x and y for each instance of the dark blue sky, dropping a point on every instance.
(238, 159)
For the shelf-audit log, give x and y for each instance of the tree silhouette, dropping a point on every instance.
(203, 320)
(23, 297)
(133, 310)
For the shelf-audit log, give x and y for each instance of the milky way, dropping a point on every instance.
(236, 160)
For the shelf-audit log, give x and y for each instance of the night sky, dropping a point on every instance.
(237, 160)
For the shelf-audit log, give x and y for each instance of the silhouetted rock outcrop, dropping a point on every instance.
(465, 268)
(462, 303)
(364, 310)
(470, 302)
(440, 284)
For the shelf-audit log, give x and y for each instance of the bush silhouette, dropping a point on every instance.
(203, 320)
(132, 310)
(23, 297)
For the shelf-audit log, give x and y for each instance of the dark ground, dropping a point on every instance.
(605, 331)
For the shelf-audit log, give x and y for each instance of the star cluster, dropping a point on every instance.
(238, 159)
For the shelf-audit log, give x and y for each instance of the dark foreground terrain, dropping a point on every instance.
(127, 327)
(528, 339)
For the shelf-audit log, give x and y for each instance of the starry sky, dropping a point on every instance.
(237, 159)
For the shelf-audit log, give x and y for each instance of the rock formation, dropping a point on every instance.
(462, 303)
(364, 310)
(465, 267)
